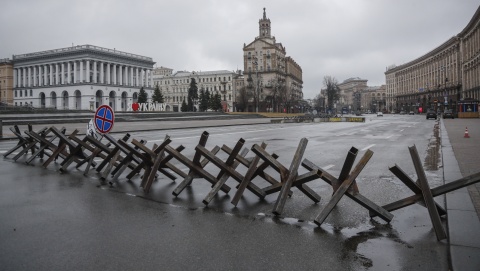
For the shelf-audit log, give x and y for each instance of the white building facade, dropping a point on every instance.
(174, 87)
(81, 77)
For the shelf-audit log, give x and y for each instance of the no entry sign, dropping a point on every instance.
(104, 119)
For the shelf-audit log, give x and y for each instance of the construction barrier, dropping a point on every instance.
(128, 158)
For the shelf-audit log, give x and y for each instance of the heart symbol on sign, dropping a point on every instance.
(135, 106)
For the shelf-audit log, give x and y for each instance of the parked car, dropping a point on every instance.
(379, 114)
(402, 112)
(448, 114)
(431, 114)
(411, 113)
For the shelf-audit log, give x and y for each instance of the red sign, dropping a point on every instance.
(104, 119)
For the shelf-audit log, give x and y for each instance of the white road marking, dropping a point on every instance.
(234, 133)
(368, 147)
(328, 167)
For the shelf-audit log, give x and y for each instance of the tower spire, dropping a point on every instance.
(264, 26)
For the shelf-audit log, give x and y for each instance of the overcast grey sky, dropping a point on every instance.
(342, 38)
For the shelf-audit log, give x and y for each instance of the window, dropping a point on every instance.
(26, 93)
(31, 93)
(15, 93)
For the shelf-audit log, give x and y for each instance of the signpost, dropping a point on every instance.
(104, 119)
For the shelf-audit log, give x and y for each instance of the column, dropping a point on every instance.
(18, 77)
(101, 73)
(81, 71)
(87, 73)
(51, 74)
(125, 77)
(151, 78)
(29, 77)
(69, 73)
(75, 72)
(45, 81)
(137, 83)
(40, 74)
(146, 78)
(95, 72)
(57, 77)
(34, 76)
(108, 74)
(131, 76)
(114, 73)
(15, 78)
(62, 78)
(24, 78)
(120, 70)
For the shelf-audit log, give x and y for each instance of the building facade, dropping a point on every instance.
(355, 96)
(273, 79)
(441, 78)
(80, 77)
(6, 81)
(350, 94)
(174, 87)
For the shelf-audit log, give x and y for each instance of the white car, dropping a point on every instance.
(379, 114)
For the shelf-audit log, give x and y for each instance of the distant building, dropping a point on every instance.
(6, 81)
(80, 77)
(441, 78)
(373, 99)
(273, 79)
(356, 96)
(174, 87)
(349, 90)
(162, 71)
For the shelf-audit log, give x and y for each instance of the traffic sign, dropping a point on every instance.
(104, 119)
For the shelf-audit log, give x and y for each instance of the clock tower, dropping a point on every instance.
(264, 26)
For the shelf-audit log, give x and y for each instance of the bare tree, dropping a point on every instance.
(332, 89)
(242, 99)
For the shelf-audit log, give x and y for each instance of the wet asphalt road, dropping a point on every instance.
(67, 221)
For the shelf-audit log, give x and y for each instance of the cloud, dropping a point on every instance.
(343, 39)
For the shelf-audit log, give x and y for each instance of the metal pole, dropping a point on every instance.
(256, 91)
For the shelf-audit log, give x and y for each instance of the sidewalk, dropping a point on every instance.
(461, 158)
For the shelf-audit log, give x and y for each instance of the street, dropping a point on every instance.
(144, 231)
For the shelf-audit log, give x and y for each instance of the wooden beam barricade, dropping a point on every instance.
(227, 169)
(196, 166)
(249, 176)
(163, 164)
(427, 194)
(76, 148)
(22, 141)
(415, 187)
(114, 156)
(138, 156)
(437, 191)
(61, 147)
(342, 189)
(285, 174)
(156, 156)
(115, 149)
(259, 171)
(31, 143)
(45, 144)
(355, 196)
(97, 149)
(347, 167)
